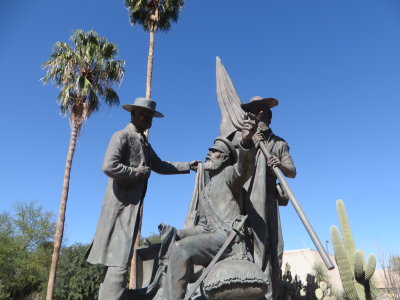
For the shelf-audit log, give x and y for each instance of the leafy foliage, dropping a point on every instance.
(33, 225)
(154, 238)
(25, 249)
(25, 256)
(154, 15)
(77, 279)
(84, 72)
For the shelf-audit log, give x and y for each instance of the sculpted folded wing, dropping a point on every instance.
(229, 102)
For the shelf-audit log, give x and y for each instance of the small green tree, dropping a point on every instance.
(25, 249)
(77, 279)
(9, 249)
(85, 73)
(34, 226)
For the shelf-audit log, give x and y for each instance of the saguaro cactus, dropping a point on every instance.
(355, 274)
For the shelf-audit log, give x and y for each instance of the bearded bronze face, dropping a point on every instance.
(215, 160)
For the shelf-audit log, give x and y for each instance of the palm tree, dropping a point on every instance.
(153, 15)
(85, 73)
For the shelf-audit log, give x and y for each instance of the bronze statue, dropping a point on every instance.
(128, 163)
(237, 182)
(262, 193)
(220, 204)
(262, 196)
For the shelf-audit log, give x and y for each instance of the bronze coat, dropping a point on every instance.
(263, 211)
(117, 226)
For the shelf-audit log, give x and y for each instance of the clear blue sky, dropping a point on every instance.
(333, 65)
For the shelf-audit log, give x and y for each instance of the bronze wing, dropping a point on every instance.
(229, 102)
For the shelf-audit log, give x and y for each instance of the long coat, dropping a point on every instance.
(263, 211)
(117, 226)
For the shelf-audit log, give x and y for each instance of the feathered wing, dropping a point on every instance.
(229, 102)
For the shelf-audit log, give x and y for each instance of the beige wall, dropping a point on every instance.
(301, 262)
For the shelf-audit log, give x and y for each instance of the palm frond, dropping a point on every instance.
(64, 99)
(143, 12)
(115, 71)
(138, 11)
(83, 86)
(93, 101)
(111, 97)
(169, 12)
(59, 62)
(84, 72)
(108, 50)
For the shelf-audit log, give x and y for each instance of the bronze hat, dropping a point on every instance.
(257, 100)
(145, 103)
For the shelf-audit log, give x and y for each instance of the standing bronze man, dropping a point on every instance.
(128, 162)
(263, 195)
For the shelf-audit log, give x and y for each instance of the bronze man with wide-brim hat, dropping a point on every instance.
(258, 101)
(146, 103)
(128, 163)
(262, 196)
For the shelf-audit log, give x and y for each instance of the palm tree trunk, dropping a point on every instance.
(132, 273)
(61, 213)
(132, 276)
(150, 65)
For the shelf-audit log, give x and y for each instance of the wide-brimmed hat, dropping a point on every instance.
(225, 146)
(257, 100)
(145, 103)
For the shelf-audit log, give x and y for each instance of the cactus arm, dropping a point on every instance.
(346, 232)
(359, 264)
(345, 272)
(370, 268)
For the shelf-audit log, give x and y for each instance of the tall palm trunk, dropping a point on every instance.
(61, 213)
(150, 65)
(132, 275)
